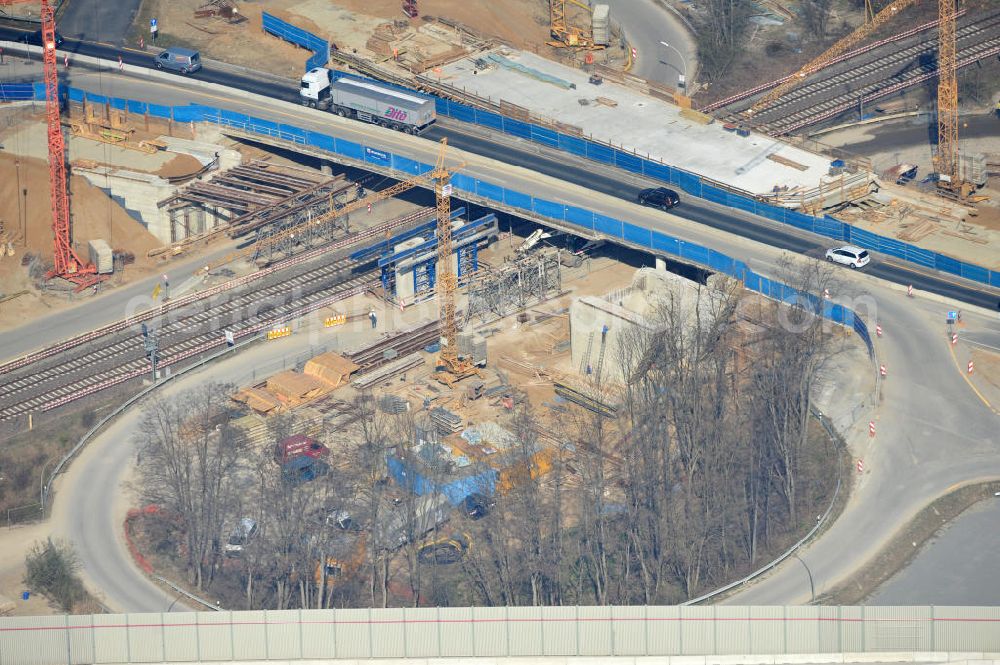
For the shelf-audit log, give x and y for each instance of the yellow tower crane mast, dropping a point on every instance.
(451, 366)
(564, 34)
(946, 160)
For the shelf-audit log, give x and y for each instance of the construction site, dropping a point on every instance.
(488, 337)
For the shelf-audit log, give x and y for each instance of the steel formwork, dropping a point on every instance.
(510, 287)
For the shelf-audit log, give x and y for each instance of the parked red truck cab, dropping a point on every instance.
(297, 446)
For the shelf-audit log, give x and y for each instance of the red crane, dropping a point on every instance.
(67, 264)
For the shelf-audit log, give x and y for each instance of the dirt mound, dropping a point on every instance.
(523, 23)
(180, 165)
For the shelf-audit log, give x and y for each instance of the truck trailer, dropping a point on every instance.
(367, 101)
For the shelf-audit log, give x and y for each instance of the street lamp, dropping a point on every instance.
(682, 79)
(151, 346)
(812, 588)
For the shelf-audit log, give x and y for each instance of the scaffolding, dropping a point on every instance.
(496, 292)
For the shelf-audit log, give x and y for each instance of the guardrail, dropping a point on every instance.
(716, 192)
(628, 160)
(250, 332)
(594, 222)
(787, 553)
(93, 431)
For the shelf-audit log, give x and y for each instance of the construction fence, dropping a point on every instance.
(594, 223)
(307, 40)
(690, 183)
(493, 632)
(699, 187)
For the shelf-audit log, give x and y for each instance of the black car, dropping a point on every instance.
(35, 38)
(659, 197)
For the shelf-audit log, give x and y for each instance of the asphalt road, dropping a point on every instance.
(98, 20)
(89, 311)
(933, 431)
(559, 165)
(917, 130)
(646, 24)
(959, 567)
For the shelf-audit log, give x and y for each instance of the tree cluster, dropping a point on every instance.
(711, 464)
(51, 569)
(721, 38)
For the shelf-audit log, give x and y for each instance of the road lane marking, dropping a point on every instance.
(958, 366)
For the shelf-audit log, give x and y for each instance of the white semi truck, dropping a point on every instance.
(367, 101)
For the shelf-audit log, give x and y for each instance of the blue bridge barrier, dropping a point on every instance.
(307, 40)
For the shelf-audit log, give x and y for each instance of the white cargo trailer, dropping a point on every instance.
(368, 101)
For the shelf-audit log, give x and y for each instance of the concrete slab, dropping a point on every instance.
(637, 122)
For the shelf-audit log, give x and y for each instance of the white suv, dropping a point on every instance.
(849, 255)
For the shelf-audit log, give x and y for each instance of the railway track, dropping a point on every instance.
(870, 71)
(189, 331)
(764, 87)
(187, 326)
(374, 233)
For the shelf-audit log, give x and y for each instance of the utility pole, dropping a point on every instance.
(150, 342)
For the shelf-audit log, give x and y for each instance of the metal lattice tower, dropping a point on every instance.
(447, 283)
(946, 159)
(67, 264)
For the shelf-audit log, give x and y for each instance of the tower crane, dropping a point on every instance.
(451, 367)
(946, 159)
(67, 264)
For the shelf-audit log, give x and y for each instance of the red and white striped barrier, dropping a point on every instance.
(882, 370)
(954, 339)
(878, 330)
(909, 290)
(971, 366)
(861, 466)
(871, 428)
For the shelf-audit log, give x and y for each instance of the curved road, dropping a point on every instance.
(646, 24)
(932, 431)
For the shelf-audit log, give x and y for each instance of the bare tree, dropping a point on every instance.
(190, 460)
(721, 35)
(816, 16)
